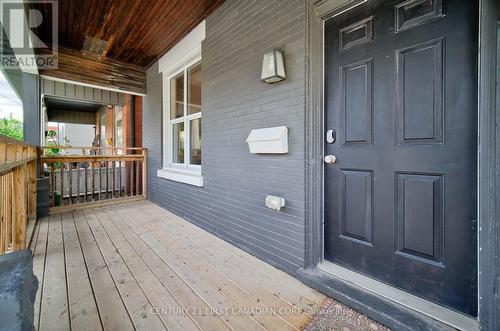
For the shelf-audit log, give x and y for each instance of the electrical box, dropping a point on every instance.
(268, 140)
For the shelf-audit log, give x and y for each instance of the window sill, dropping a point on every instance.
(183, 175)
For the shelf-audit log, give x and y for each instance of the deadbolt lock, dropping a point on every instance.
(331, 136)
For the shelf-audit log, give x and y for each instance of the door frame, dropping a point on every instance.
(317, 12)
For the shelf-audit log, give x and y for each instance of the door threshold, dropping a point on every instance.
(430, 309)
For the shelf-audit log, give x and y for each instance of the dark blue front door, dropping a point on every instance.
(401, 96)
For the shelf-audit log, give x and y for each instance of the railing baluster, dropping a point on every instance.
(86, 184)
(4, 213)
(144, 173)
(107, 179)
(32, 190)
(120, 179)
(62, 182)
(78, 182)
(93, 180)
(9, 209)
(8, 215)
(113, 193)
(100, 180)
(132, 173)
(19, 208)
(131, 178)
(52, 183)
(137, 179)
(126, 178)
(3, 221)
(11, 203)
(70, 183)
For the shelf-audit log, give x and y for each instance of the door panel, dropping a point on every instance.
(357, 206)
(356, 94)
(420, 93)
(401, 94)
(420, 216)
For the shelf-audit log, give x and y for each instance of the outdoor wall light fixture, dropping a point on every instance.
(273, 67)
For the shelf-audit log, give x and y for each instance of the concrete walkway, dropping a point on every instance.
(335, 316)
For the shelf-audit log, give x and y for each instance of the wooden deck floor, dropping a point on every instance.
(138, 266)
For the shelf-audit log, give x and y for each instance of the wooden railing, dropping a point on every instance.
(93, 175)
(17, 192)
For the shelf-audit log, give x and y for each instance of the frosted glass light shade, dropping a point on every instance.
(273, 67)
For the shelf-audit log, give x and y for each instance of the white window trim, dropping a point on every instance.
(183, 55)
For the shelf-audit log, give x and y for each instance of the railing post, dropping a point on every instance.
(32, 190)
(19, 208)
(145, 173)
(11, 153)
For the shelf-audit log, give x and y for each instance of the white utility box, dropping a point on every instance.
(275, 203)
(268, 140)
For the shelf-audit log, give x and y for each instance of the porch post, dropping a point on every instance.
(314, 134)
(489, 135)
(31, 109)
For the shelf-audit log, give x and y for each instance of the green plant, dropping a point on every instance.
(51, 141)
(53, 152)
(12, 128)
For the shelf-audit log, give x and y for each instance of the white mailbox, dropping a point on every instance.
(269, 140)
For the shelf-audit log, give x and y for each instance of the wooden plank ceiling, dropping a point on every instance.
(124, 36)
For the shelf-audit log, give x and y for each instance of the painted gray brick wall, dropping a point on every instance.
(231, 203)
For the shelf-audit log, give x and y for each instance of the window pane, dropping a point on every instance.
(177, 96)
(178, 143)
(195, 140)
(119, 134)
(118, 126)
(102, 133)
(194, 89)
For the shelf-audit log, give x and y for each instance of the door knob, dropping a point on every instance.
(330, 159)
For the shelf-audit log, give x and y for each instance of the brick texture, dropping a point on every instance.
(231, 203)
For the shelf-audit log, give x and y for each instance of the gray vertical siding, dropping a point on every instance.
(79, 92)
(231, 203)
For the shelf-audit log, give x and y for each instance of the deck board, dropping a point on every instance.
(137, 266)
(82, 305)
(285, 286)
(54, 313)
(113, 313)
(231, 281)
(30, 231)
(118, 257)
(210, 294)
(182, 293)
(39, 248)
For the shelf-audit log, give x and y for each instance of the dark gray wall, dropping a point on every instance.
(231, 203)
